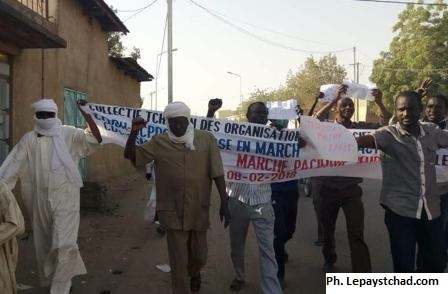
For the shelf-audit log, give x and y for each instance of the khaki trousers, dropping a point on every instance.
(188, 255)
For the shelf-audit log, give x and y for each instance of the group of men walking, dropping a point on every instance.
(187, 162)
(415, 205)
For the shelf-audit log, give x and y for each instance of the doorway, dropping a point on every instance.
(5, 72)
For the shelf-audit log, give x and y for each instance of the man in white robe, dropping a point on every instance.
(11, 225)
(46, 160)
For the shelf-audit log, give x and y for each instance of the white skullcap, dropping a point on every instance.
(177, 109)
(47, 105)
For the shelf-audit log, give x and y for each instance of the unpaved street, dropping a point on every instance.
(121, 250)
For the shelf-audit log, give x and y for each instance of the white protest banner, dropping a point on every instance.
(282, 109)
(441, 165)
(251, 153)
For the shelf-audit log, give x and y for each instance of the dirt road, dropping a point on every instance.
(121, 250)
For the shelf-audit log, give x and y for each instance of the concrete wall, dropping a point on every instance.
(83, 66)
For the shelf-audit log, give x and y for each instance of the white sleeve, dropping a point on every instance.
(12, 223)
(11, 167)
(85, 142)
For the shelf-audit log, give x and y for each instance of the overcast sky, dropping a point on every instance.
(208, 47)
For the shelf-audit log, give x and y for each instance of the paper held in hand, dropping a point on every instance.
(332, 141)
(355, 91)
(282, 109)
(261, 154)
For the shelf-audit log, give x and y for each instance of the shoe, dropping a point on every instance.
(195, 283)
(161, 231)
(318, 243)
(237, 285)
(328, 267)
(282, 283)
(286, 258)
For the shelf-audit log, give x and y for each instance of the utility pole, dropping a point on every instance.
(356, 80)
(159, 56)
(170, 51)
(354, 64)
(157, 79)
(357, 72)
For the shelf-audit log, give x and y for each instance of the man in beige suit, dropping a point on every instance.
(186, 162)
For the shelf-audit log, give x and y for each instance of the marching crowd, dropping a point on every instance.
(186, 162)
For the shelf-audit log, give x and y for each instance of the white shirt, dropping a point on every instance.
(251, 194)
(51, 199)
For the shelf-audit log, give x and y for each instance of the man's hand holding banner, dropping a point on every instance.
(260, 154)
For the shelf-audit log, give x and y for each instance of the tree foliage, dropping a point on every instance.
(303, 84)
(418, 50)
(136, 54)
(115, 45)
(306, 82)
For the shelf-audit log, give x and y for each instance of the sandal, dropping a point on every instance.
(237, 285)
(195, 284)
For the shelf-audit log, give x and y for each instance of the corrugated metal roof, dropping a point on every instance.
(109, 21)
(132, 68)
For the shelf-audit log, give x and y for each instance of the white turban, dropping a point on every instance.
(177, 109)
(180, 109)
(47, 105)
(52, 127)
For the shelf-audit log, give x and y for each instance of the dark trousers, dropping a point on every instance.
(350, 201)
(315, 189)
(445, 224)
(285, 209)
(405, 233)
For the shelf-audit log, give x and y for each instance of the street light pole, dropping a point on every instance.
(170, 51)
(241, 85)
(157, 78)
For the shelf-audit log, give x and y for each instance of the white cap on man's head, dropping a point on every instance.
(177, 109)
(47, 105)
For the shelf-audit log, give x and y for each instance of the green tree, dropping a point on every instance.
(303, 84)
(306, 82)
(418, 50)
(115, 45)
(136, 54)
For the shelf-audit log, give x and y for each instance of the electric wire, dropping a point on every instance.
(159, 59)
(262, 39)
(141, 10)
(404, 2)
(269, 30)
